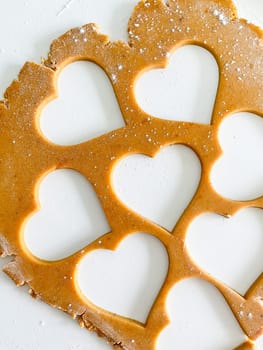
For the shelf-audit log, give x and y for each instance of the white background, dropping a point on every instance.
(27, 29)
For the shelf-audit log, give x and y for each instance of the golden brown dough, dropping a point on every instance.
(212, 24)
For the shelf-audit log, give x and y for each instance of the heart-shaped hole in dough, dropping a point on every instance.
(185, 90)
(70, 216)
(200, 319)
(125, 281)
(238, 173)
(158, 188)
(86, 106)
(229, 249)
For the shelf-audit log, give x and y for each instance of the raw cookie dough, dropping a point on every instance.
(155, 30)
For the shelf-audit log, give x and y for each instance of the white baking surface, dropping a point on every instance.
(200, 319)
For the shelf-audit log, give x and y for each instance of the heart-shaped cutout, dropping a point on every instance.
(70, 216)
(200, 319)
(229, 249)
(159, 188)
(86, 107)
(125, 281)
(238, 173)
(185, 90)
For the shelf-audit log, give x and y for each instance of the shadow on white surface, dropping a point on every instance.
(250, 10)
